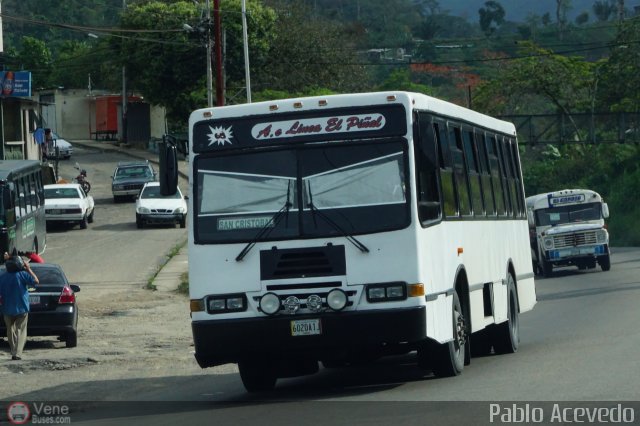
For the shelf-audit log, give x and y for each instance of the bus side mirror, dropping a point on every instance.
(605, 210)
(168, 168)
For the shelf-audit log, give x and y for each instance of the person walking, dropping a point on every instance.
(14, 293)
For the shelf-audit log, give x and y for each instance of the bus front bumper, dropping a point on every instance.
(227, 341)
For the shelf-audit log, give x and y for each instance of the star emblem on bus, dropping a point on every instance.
(220, 135)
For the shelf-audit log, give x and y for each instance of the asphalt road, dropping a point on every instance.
(115, 252)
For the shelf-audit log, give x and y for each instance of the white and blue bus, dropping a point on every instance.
(344, 228)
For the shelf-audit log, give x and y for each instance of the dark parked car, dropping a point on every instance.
(129, 178)
(53, 305)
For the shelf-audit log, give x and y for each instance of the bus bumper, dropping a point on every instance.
(227, 341)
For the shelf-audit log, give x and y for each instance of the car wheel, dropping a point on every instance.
(71, 339)
(183, 222)
(116, 199)
(90, 218)
(83, 223)
(139, 222)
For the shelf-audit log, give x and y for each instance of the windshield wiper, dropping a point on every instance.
(267, 228)
(353, 240)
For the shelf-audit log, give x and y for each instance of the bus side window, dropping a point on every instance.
(429, 206)
(496, 175)
(515, 157)
(446, 171)
(508, 175)
(485, 174)
(460, 171)
(473, 169)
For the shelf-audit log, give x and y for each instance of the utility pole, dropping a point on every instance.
(124, 92)
(208, 47)
(218, 46)
(247, 74)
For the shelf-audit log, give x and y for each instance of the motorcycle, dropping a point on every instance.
(82, 179)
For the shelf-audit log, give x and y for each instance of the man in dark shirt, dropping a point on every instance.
(14, 294)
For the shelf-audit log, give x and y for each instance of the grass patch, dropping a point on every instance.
(173, 252)
(183, 287)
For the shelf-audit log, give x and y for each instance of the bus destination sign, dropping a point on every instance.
(318, 125)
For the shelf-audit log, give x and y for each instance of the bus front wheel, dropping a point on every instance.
(448, 358)
(257, 375)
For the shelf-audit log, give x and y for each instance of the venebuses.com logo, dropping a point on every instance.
(20, 413)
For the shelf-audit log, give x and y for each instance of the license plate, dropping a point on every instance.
(34, 300)
(306, 327)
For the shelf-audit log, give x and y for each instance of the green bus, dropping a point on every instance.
(22, 216)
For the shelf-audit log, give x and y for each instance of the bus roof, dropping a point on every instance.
(413, 100)
(567, 196)
(8, 167)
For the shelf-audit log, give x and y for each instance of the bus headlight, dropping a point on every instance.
(226, 303)
(602, 237)
(548, 243)
(387, 292)
(270, 303)
(337, 299)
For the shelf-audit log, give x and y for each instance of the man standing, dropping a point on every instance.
(14, 293)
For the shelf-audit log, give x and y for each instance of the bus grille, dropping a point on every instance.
(574, 240)
(306, 262)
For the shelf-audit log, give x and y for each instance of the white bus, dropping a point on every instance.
(343, 228)
(567, 228)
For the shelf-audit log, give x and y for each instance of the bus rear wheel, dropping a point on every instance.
(448, 358)
(257, 375)
(506, 337)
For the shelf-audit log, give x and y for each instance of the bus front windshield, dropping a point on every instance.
(304, 192)
(569, 214)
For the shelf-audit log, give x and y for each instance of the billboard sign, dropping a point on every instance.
(16, 84)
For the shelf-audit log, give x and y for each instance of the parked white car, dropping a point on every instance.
(154, 208)
(67, 202)
(65, 149)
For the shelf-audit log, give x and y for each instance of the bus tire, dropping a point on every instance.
(506, 336)
(605, 262)
(257, 376)
(547, 269)
(449, 357)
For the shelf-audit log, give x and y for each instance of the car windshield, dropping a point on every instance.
(133, 172)
(52, 193)
(154, 192)
(361, 188)
(569, 214)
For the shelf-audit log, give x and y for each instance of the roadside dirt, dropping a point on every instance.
(123, 333)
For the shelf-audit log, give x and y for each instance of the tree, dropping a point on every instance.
(493, 12)
(32, 55)
(582, 18)
(168, 64)
(311, 54)
(562, 7)
(603, 9)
